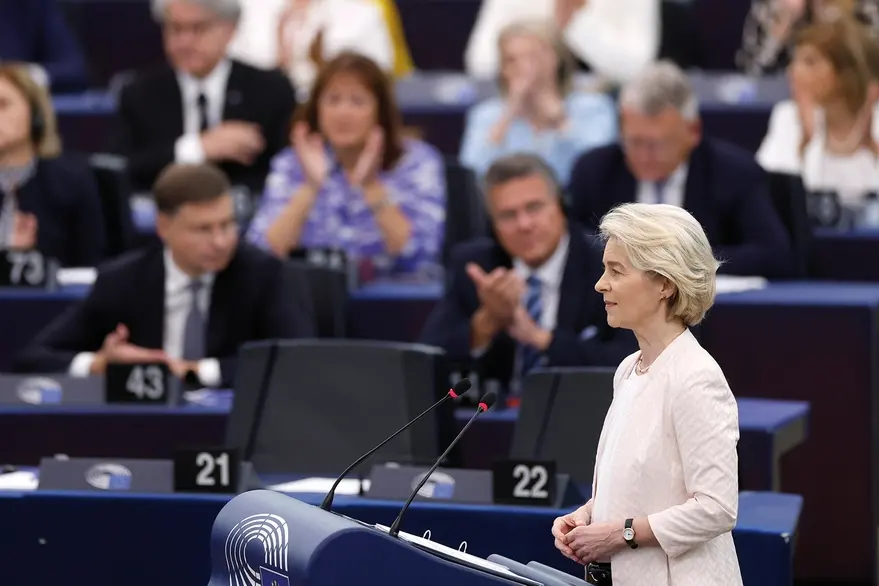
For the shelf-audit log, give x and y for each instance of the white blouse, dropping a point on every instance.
(849, 176)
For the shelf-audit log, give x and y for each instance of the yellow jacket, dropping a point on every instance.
(403, 65)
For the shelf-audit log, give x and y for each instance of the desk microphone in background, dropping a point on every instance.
(484, 405)
(461, 387)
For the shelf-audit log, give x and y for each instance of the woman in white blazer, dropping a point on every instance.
(665, 489)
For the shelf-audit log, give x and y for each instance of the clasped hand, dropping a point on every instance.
(583, 542)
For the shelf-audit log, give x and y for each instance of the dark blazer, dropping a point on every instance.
(251, 299)
(580, 310)
(726, 191)
(63, 196)
(151, 121)
(35, 31)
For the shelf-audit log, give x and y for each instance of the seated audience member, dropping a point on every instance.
(615, 38)
(827, 133)
(190, 303)
(35, 32)
(49, 202)
(537, 110)
(527, 297)
(663, 158)
(351, 182)
(204, 106)
(772, 26)
(298, 36)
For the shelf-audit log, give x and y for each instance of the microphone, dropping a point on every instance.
(461, 387)
(484, 405)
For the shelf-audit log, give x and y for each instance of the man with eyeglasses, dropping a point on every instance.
(525, 298)
(663, 157)
(189, 303)
(203, 106)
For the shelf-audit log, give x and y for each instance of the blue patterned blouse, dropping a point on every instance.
(340, 218)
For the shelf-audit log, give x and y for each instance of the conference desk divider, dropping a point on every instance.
(264, 537)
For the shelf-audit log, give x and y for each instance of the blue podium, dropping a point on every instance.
(264, 538)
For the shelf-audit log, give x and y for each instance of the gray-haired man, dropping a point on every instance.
(203, 106)
(663, 157)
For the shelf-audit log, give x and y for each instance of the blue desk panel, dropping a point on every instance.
(768, 431)
(147, 540)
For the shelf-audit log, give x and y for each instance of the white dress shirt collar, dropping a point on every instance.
(176, 279)
(550, 273)
(673, 189)
(213, 86)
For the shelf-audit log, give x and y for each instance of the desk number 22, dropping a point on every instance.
(531, 482)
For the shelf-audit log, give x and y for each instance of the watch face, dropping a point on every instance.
(628, 534)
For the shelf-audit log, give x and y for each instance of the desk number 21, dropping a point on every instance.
(208, 463)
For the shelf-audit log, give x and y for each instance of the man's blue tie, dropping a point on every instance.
(194, 327)
(533, 305)
(659, 190)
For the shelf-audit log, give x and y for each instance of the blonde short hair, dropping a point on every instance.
(48, 144)
(546, 31)
(666, 240)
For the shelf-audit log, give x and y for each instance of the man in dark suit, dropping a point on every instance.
(190, 303)
(526, 298)
(204, 106)
(663, 158)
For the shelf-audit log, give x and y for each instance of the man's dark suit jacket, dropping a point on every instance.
(63, 195)
(581, 310)
(726, 191)
(252, 299)
(151, 121)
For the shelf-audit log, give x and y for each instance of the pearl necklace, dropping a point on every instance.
(639, 368)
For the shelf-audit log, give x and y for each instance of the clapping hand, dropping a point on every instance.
(526, 331)
(370, 160)
(241, 142)
(310, 149)
(499, 291)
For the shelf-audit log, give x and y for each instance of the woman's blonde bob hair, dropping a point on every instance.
(49, 144)
(547, 32)
(666, 240)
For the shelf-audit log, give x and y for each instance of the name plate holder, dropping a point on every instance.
(149, 476)
(27, 269)
(454, 485)
(50, 389)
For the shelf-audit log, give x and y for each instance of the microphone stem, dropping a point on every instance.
(395, 527)
(328, 500)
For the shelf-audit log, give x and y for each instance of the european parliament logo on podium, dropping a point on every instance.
(256, 551)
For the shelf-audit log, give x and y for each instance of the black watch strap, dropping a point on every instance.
(629, 534)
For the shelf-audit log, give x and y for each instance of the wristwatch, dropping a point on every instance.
(629, 534)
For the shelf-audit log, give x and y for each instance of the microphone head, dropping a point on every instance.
(488, 400)
(461, 387)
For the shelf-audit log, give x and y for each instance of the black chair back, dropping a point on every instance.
(110, 175)
(327, 289)
(789, 199)
(466, 216)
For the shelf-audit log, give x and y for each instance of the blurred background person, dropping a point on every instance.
(35, 32)
(203, 106)
(189, 302)
(537, 110)
(299, 36)
(350, 181)
(663, 157)
(772, 27)
(614, 38)
(525, 298)
(827, 133)
(666, 490)
(50, 202)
